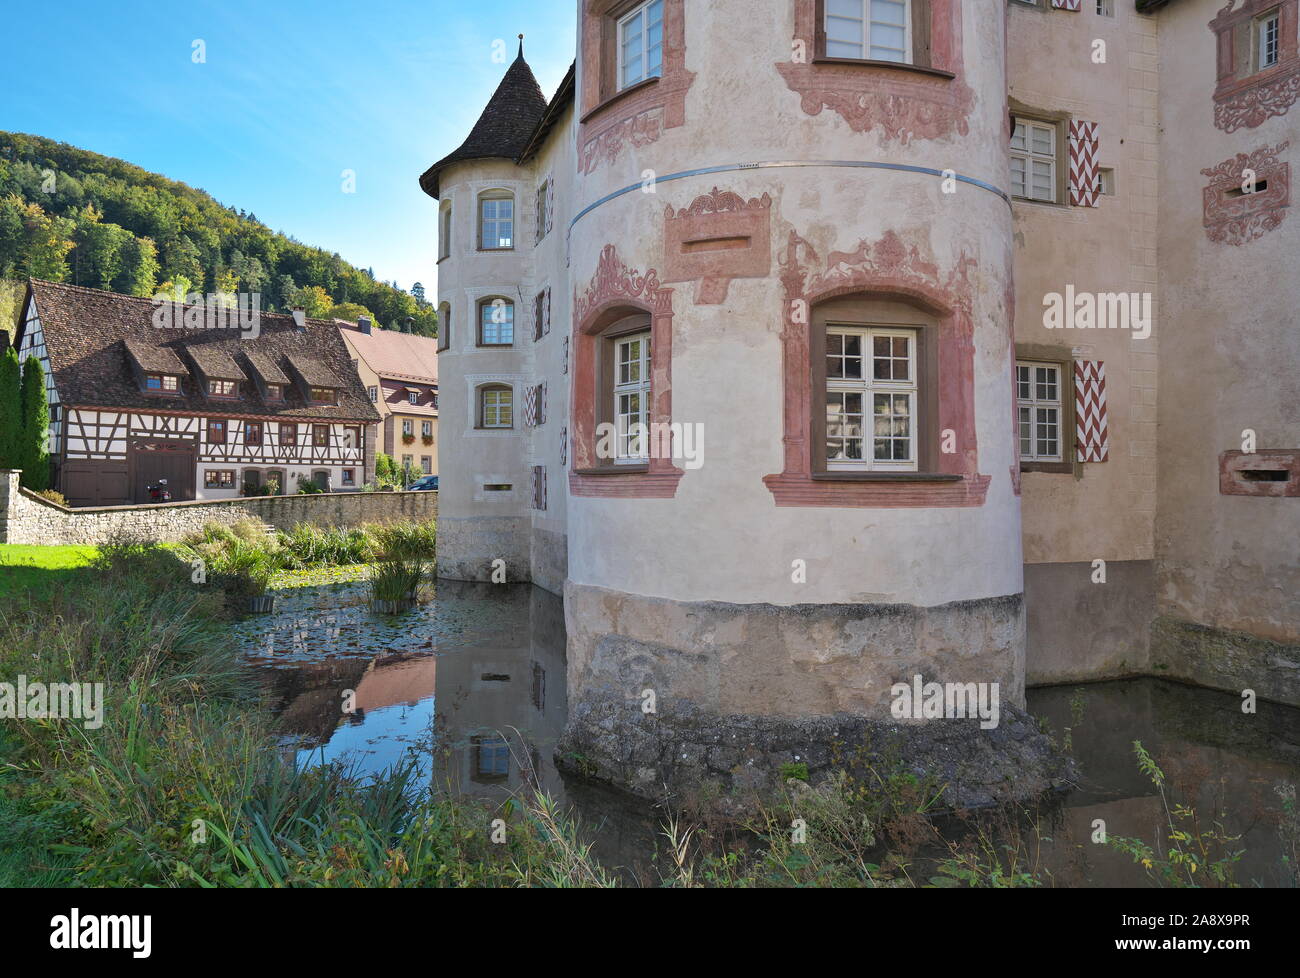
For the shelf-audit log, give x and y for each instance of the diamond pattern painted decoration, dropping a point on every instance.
(1091, 436)
(1083, 163)
(1067, 4)
(530, 407)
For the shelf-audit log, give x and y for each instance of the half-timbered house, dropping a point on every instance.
(216, 412)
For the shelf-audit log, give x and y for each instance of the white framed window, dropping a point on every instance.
(874, 30)
(1106, 181)
(496, 322)
(641, 43)
(408, 427)
(497, 407)
(1267, 39)
(1105, 8)
(871, 390)
(1033, 161)
(413, 397)
(444, 232)
(1038, 410)
(631, 397)
(496, 222)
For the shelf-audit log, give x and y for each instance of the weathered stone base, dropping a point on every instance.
(785, 660)
(550, 559)
(726, 763)
(1078, 631)
(740, 689)
(1227, 660)
(467, 546)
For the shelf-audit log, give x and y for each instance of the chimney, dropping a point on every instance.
(300, 317)
(409, 325)
(363, 324)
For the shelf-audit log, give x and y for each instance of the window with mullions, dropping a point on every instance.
(1033, 161)
(496, 221)
(496, 407)
(872, 30)
(1267, 38)
(871, 393)
(1038, 409)
(641, 44)
(631, 397)
(496, 322)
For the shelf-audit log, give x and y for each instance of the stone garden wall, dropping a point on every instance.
(28, 518)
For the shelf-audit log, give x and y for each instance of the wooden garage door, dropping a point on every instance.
(170, 459)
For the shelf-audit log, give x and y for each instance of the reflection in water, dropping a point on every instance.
(472, 686)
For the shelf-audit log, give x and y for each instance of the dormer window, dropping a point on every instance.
(641, 44)
(275, 392)
(323, 395)
(223, 388)
(162, 383)
(414, 397)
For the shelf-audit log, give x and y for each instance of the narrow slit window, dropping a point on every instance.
(631, 397)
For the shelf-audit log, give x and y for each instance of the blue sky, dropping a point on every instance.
(292, 94)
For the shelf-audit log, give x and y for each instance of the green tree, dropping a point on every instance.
(11, 411)
(139, 269)
(314, 300)
(34, 439)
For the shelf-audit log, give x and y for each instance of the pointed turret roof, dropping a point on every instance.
(504, 128)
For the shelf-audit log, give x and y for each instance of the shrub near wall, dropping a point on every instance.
(27, 518)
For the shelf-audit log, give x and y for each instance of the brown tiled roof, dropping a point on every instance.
(154, 359)
(400, 356)
(505, 127)
(213, 359)
(314, 371)
(265, 367)
(87, 333)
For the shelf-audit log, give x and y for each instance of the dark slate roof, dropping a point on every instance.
(88, 332)
(504, 128)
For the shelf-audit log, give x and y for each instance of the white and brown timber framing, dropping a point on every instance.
(110, 436)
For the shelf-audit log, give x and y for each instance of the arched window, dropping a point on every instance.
(444, 326)
(496, 406)
(496, 322)
(444, 231)
(496, 220)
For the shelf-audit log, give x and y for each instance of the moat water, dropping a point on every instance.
(471, 686)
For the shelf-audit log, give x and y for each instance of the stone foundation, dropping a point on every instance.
(1227, 660)
(737, 690)
(467, 546)
(725, 763)
(1078, 631)
(786, 660)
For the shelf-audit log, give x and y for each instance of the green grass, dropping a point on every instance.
(33, 567)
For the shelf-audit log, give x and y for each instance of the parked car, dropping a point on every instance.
(428, 483)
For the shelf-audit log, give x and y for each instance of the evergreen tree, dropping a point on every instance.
(11, 416)
(34, 439)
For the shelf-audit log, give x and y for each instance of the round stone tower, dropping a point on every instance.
(792, 251)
